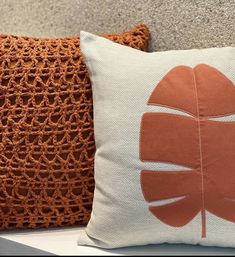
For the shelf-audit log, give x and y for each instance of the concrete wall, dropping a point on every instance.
(174, 24)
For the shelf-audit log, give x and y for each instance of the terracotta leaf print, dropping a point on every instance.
(196, 141)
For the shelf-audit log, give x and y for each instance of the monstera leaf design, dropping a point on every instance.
(197, 141)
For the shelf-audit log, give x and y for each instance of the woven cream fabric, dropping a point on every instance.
(122, 82)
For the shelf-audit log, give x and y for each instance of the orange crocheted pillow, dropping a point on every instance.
(46, 130)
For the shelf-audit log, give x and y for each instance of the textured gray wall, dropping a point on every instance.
(174, 24)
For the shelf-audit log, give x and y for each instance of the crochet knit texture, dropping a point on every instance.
(46, 130)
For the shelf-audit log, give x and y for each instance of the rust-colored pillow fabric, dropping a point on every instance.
(46, 130)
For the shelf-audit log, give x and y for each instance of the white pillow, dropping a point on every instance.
(165, 138)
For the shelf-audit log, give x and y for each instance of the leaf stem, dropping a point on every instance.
(203, 223)
(201, 160)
